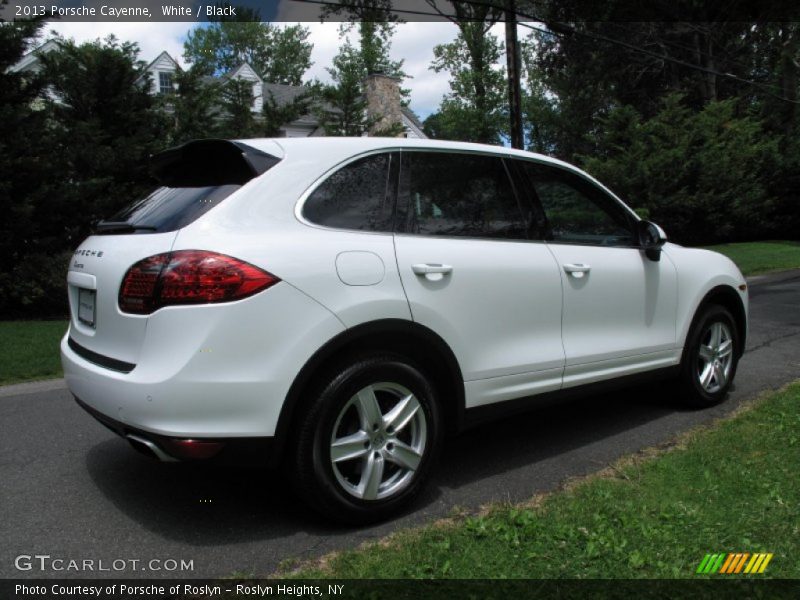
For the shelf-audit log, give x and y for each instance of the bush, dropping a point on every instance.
(37, 285)
(700, 175)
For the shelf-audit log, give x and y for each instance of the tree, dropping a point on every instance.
(105, 119)
(275, 114)
(474, 108)
(278, 54)
(375, 22)
(720, 191)
(238, 119)
(25, 164)
(86, 157)
(343, 108)
(195, 106)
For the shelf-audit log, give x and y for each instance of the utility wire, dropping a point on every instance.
(566, 30)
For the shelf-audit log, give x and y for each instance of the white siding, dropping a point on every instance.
(247, 73)
(162, 64)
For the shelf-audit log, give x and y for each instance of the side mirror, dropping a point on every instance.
(651, 239)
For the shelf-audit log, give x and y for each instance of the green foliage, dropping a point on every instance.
(195, 106)
(343, 110)
(278, 54)
(85, 155)
(474, 110)
(237, 119)
(30, 350)
(105, 128)
(375, 24)
(35, 284)
(762, 257)
(274, 115)
(24, 151)
(701, 175)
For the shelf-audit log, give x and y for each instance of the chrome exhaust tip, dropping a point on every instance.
(147, 447)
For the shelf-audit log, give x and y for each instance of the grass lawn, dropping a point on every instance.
(732, 487)
(761, 257)
(29, 350)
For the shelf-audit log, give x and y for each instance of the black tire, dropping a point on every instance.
(693, 392)
(333, 412)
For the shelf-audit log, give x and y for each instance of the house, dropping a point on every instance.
(382, 93)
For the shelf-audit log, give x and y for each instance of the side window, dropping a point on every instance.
(453, 194)
(577, 211)
(357, 196)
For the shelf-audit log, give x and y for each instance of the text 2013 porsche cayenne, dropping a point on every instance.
(337, 305)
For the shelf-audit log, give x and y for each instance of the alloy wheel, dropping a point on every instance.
(715, 357)
(378, 441)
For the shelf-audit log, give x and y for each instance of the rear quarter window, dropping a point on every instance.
(358, 196)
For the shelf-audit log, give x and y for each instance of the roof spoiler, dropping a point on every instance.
(210, 162)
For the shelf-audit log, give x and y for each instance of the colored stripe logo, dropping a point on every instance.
(732, 563)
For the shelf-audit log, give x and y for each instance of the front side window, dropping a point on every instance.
(165, 83)
(464, 195)
(357, 196)
(577, 211)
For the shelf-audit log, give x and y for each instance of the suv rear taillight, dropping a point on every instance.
(189, 277)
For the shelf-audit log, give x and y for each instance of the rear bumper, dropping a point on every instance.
(239, 451)
(216, 371)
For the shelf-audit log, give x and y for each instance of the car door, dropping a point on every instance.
(619, 306)
(473, 275)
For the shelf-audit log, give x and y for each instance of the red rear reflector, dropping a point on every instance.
(189, 277)
(192, 449)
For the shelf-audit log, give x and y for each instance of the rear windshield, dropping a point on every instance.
(167, 209)
(195, 177)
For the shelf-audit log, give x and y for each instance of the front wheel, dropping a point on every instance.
(710, 358)
(368, 440)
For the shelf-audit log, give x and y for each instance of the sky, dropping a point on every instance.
(412, 42)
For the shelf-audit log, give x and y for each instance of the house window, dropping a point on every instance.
(165, 83)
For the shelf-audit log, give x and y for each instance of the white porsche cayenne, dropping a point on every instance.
(337, 305)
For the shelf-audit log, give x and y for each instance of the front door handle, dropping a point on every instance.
(577, 270)
(431, 269)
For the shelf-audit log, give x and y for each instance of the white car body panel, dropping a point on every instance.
(699, 272)
(106, 259)
(500, 308)
(620, 312)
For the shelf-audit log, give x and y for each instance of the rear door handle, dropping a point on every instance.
(431, 268)
(577, 270)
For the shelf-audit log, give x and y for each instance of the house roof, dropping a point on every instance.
(30, 59)
(158, 58)
(412, 117)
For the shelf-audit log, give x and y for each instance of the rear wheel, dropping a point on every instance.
(710, 358)
(367, 442)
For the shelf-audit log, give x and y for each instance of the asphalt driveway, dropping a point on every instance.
(71, 490)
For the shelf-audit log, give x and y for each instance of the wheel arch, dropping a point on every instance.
(729, 298)
(407, 338)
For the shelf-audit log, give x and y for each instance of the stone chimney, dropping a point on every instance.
(383, 102)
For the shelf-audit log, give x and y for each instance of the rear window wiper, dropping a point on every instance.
(120, 227)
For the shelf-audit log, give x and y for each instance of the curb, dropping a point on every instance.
(773, 277)
(32, 387)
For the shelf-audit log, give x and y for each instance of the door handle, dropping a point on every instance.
(431, 269)
(577, 270)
